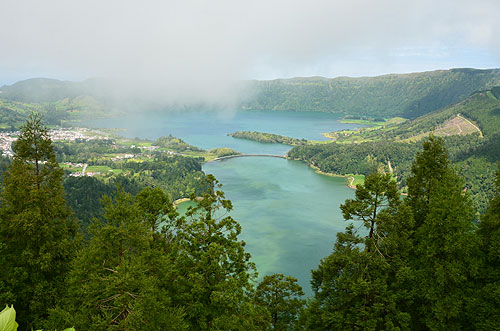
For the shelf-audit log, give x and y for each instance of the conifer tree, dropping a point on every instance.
(215, 272)
(484, 307)
(37, 231)
(120, 280)
(355, 287)
(378, 192)
(281, 296)
(444, 259)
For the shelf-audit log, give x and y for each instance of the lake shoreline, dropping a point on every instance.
(329, 174)
(177, 202)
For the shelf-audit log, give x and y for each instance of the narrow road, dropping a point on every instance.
(84, 168)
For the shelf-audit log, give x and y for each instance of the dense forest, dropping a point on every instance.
(422, 262)
(475, 154)
(268, 138)
(405, 95)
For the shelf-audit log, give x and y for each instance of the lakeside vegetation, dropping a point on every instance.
(428, 261)
(474, 152)
(268, 138)
(423, 262)
(387, 96)
(362, 134)
(404, 95)
(369, 121)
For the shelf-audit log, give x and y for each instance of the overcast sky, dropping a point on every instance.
(208, 43)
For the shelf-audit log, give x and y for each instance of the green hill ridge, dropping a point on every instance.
(406, 95)
(475, 154)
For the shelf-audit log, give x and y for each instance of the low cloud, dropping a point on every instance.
(199, 50)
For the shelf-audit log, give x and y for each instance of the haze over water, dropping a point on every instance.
(289, 214)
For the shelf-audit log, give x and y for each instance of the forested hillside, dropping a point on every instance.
(41, 90)
(406, 95)
(422, 262)
(58, 101)
(476, 154)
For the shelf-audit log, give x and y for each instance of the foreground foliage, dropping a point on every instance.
(38, 234)
(419, 263)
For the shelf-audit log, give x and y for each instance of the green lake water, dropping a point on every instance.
(289, 214)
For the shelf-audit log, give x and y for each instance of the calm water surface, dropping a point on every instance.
(209, 129)
(289, 214)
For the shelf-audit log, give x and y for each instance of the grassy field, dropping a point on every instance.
(137, 143)
(360, 135)
(456, 126)
(101, 169)
(353, 180)
(361, 122)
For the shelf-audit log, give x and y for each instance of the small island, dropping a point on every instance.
(263, 137)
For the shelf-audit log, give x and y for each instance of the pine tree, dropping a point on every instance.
(37, 230)
(157, 210)
(146, 269)
(357, 286)
(280, 295)
(484, 307)
(120, 280)
(378, 192)
(352, 290)
(215, 272)
(444, 259)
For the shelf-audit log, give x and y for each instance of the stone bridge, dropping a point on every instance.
(247, 155)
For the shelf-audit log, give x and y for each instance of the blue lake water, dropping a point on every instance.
(209, 129)
(289, 214)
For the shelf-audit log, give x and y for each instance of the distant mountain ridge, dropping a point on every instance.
(476, 154)
(51, 90)
(406, 95)
(481, 109)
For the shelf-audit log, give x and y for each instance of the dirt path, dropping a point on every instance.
(474, 125)
(351, 180)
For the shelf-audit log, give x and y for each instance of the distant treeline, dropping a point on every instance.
(419, 263)
(475, 156)
(263, 137)
(405, 95)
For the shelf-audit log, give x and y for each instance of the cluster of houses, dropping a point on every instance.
(146, 148)
(6, 140)
(122, 157)
(70, 134)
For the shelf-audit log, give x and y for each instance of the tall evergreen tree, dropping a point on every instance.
(484, 308)
(281, 296)
(120, 280)
(147, 269)
(355, 288)
(444, 259)
(430, 170)
(215, 272)
(37, 231)
(378, 192)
